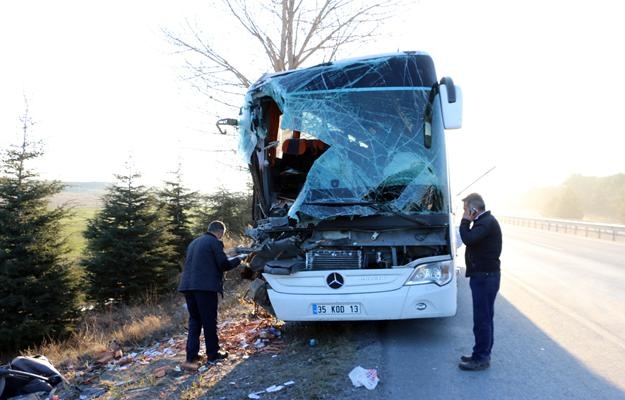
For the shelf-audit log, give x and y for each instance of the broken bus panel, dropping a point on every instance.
(349, 169)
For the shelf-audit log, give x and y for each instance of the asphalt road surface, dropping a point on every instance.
(559, 329)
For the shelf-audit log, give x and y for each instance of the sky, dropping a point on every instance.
(542, 84)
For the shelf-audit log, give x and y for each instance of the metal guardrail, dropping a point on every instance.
(601, 231)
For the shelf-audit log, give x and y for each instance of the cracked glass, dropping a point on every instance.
(355, 138)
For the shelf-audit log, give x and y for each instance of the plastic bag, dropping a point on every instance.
(364, 377)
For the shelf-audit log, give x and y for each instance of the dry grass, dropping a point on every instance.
(125, 325)
(136, 325)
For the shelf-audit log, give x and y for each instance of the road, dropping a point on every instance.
(559, 329)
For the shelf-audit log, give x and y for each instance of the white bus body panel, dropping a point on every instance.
(376, 295)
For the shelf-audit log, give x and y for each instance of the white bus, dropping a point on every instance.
(351, 194)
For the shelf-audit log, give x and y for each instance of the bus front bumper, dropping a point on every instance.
(407, 302)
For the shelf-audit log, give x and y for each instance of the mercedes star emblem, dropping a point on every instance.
(335, 280)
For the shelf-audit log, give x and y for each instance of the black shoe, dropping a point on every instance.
(474, 365)
(219, 356)
(197, 359)
(469, 358)
(190, 366)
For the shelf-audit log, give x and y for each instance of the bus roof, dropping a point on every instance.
(404, 69)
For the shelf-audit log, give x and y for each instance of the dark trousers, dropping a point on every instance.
(483, 291)
(202, 307)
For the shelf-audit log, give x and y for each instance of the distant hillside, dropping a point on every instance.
(81, 194)
(80, 187)
(590, 198)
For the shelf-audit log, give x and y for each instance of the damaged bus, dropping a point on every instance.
(351, 195)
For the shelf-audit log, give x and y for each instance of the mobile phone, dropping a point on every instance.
(473, 211)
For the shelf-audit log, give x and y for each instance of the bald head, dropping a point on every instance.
(217, 228)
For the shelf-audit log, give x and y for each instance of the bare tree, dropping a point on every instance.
(289, 32)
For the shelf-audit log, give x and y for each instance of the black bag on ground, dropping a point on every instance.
(25, 375)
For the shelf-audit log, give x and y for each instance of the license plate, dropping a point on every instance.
(336, 309)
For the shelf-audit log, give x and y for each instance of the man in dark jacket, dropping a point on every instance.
(481, 234)
(201, 280)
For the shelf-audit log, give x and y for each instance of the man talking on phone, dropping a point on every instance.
(481, 234)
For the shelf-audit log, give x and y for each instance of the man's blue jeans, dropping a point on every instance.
(202, 307)
(484, 289)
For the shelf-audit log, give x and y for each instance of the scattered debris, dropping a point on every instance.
(115, 369)
(270, 389)
(250, 336)
(364, 377)
(124, 360)
(104, 357)
(137, 390)
(274, 388)
(91, 393)
(160, 372)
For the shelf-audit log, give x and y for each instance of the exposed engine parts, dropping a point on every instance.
(281, 249)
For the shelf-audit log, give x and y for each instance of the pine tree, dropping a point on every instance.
(178, 203)
(38, 286)
(128, 255)
(232, 208)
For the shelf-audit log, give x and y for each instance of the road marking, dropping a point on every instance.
(598, 329)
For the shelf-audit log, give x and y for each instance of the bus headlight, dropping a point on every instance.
(439, 273)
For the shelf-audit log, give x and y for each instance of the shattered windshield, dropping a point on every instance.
(376, 161)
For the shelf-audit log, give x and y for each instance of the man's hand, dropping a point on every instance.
(468, 215)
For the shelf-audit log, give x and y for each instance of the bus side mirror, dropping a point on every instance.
(450, 97)
(226, 122)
